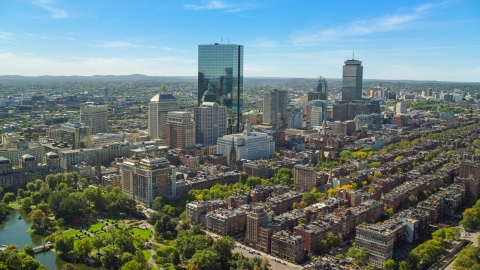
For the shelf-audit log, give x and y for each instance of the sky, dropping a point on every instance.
(395, 40)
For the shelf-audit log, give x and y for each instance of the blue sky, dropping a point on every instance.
(438, 40)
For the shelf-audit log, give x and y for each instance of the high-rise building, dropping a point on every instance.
(322, 85)
(220, 79)
(75, 134)
(352, 80)
(401, 107)
(106, 94)
(180, 130)
(148, 178)
(319, 108)
(274, 106)
(210, 123)
(158, 109)
(295, 118)
(95, 117)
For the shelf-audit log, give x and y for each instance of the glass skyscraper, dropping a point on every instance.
(220, 79)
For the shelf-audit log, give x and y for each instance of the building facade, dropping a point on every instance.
(95, 117)
(180, 130)
(210, 123)
(220, 72)
(75, 134)
(158, 109)
(247, 145)
(352, 80)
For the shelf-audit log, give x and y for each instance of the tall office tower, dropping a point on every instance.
(210, 123)
(274, 106)
(180, 130)
(158, 109)
(106, 94)
(429, 92)
(319, 108)
(322, 86)
(75, 134)
(352, 80)
(220, 77)
(95, 117)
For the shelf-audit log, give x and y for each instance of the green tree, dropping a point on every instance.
(28, 249)
(38, 218)
(132, 265)
(302, 221)
(97, 243)
(188, 244)
(206, 259)
(253, 182)
(83, 248)
(242, 178)
(332, 239)
(375, 164)
(413, 200)
(158, 203)
(27, 203)
(168, 254)
(124, 241)
(224, 247)
(111, 257)
(63, 244)
(8, 197)
(345, 155)
(389, 264)
(362, 256)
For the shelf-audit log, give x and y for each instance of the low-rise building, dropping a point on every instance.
(288, 246)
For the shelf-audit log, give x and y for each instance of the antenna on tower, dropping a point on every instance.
(353, 57)
(222, 40)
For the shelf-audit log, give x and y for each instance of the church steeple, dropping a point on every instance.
(232, 159)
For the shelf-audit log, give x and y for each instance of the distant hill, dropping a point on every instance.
(140, 77)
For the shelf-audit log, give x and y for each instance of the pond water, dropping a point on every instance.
(13, 231)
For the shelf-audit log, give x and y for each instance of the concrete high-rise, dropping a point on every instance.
(75, 134)
(319, 108)
(274, 106)
(180, 130)
(158, 109)
(352, 80)
(210, 123)
(95, 117)
(220, 77)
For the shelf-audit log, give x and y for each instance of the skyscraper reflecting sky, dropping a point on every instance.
(220, 79)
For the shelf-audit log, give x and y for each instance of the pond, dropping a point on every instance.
(13, 231)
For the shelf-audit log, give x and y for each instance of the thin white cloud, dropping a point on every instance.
(263, 43)
(123, 45)
(56, 13)
(6, 36)
(17, 64)
(221, 5)
(168, 49)
(385, 23)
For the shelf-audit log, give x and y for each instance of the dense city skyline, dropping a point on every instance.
(409, 40)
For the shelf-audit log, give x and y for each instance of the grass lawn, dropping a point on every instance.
(72, 232)
(30, 230)
(113, 220)
(145, 234)
(147, 254)
(95, 227)
(14, 202)
(121, 226)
